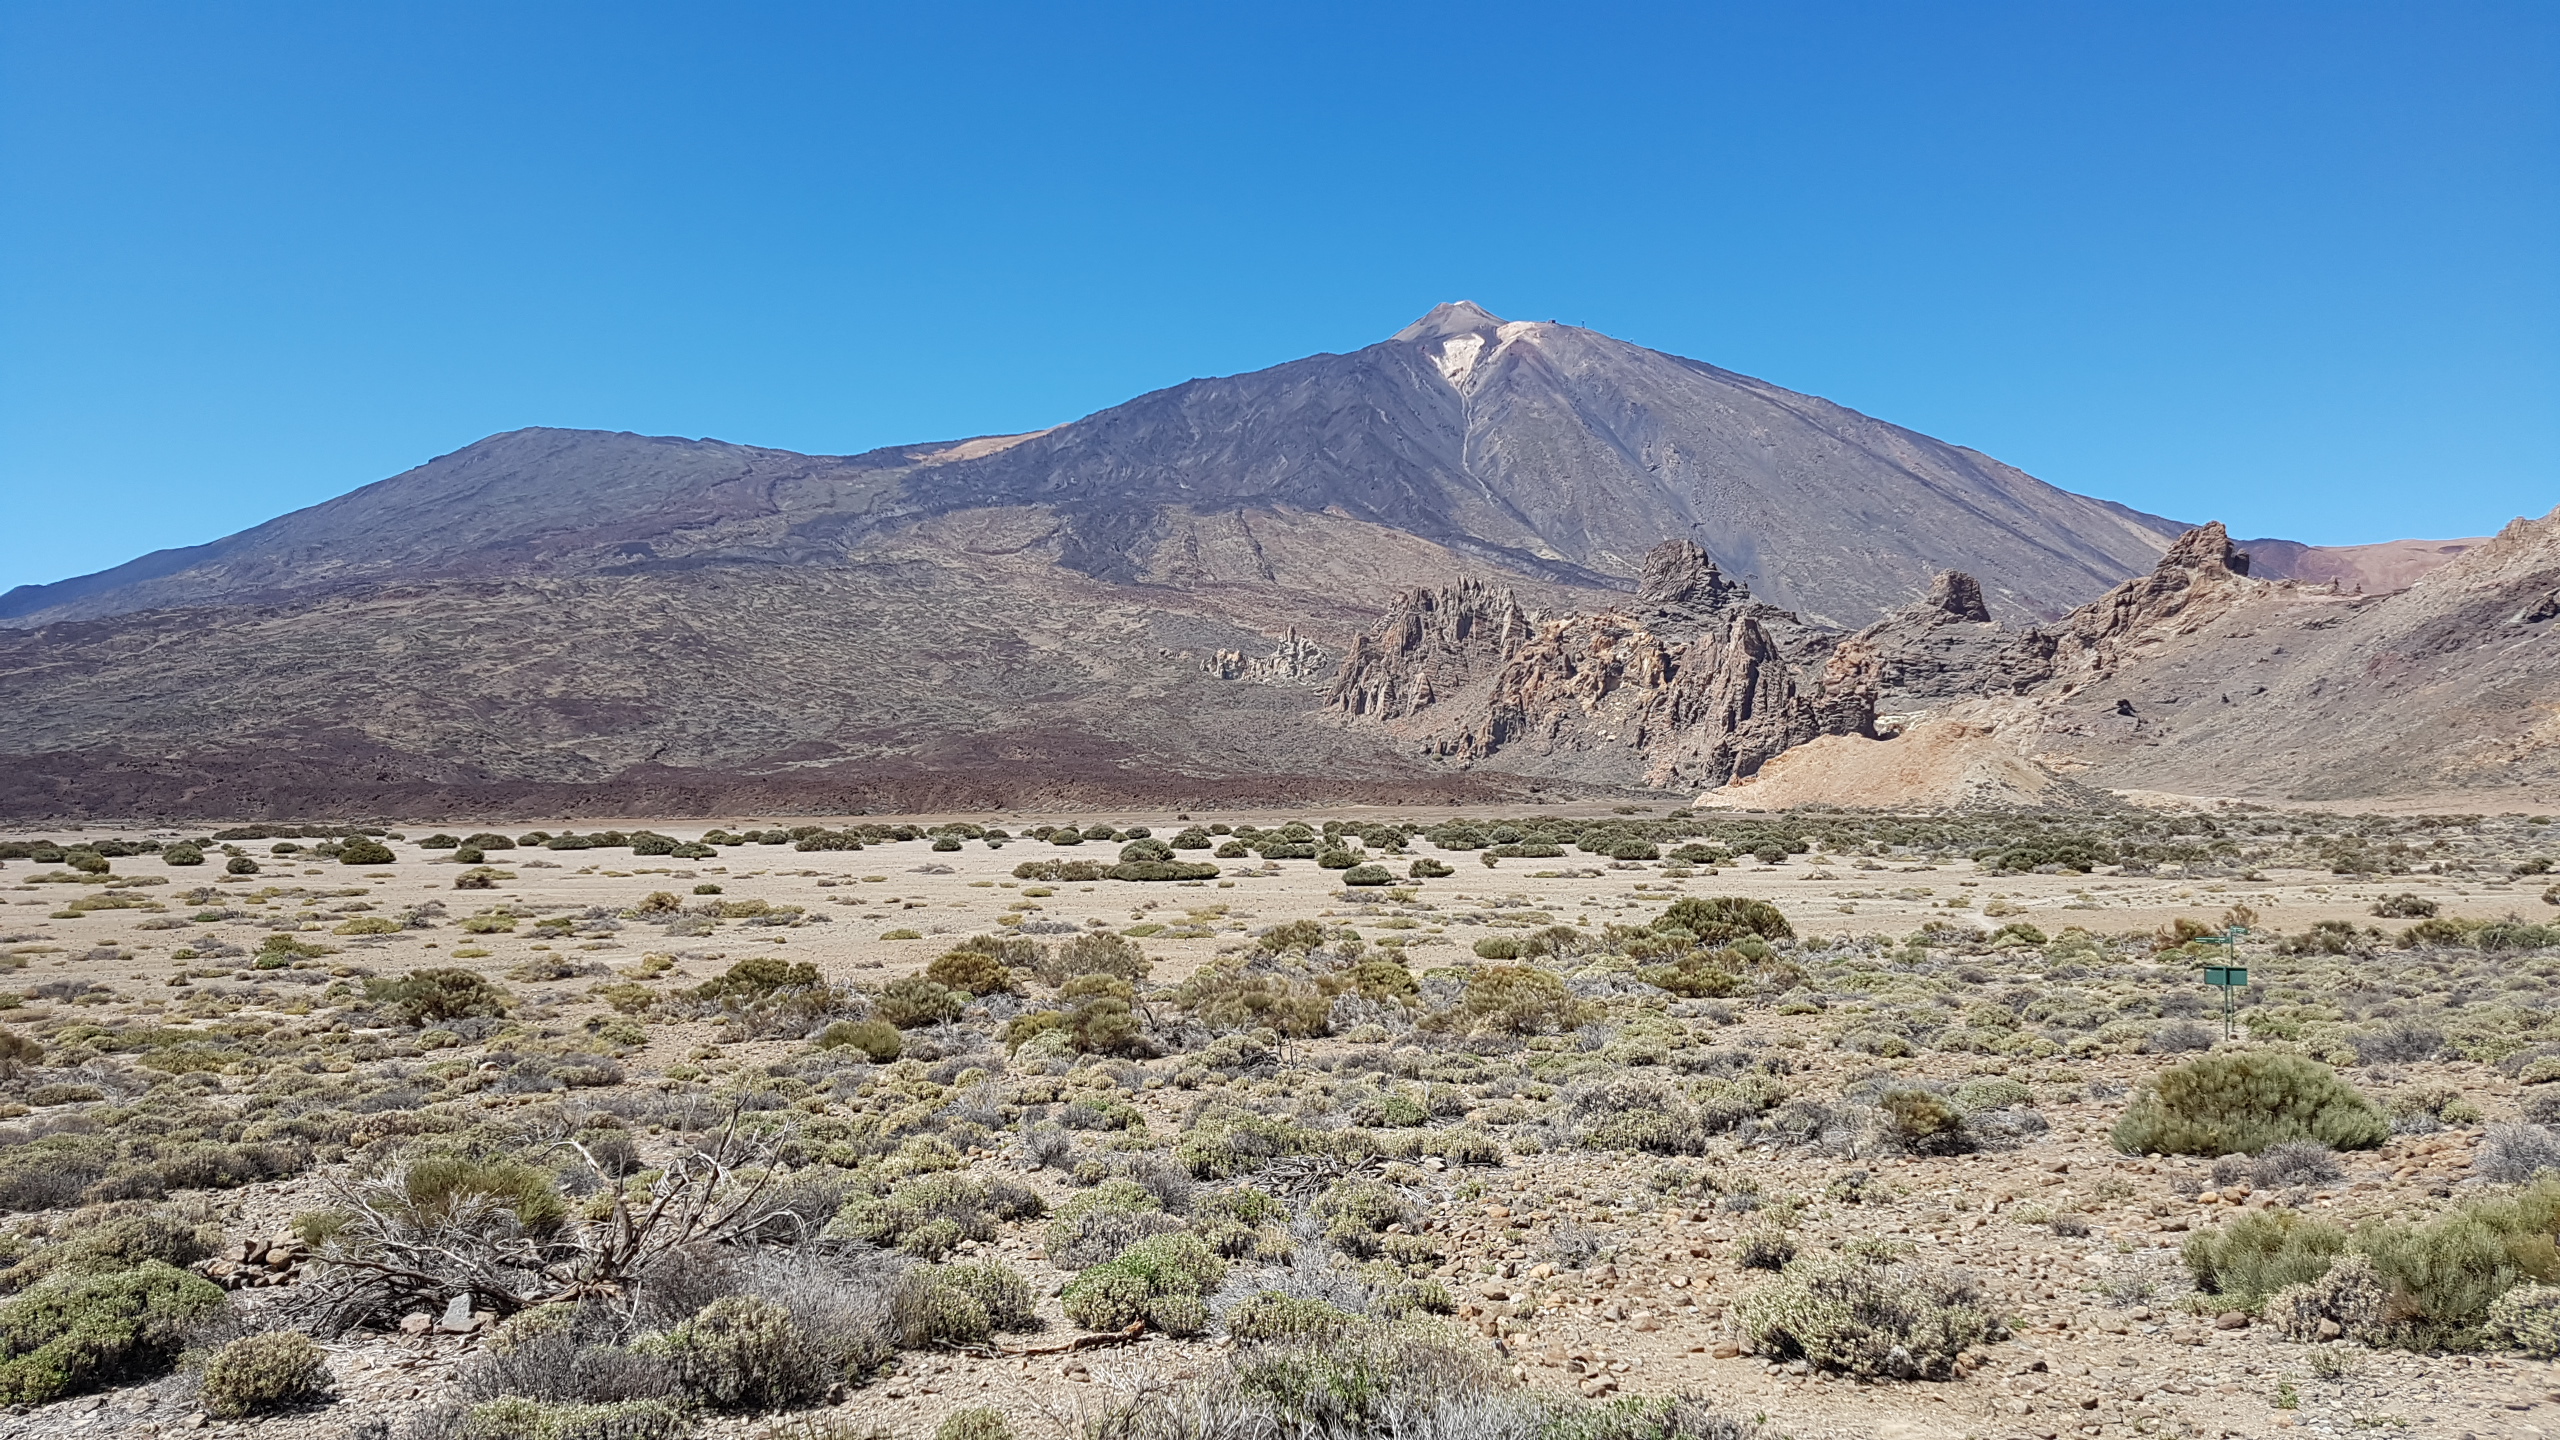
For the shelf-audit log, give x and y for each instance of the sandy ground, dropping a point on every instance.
(1652, 1324)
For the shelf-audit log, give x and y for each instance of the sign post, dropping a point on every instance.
(2227, 975)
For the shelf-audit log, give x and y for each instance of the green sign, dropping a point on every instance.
(2226, 975)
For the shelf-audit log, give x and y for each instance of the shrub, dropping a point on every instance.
(1723, 919)
(1764, 1250)
(360, 850)
(257, 1373)
(1094, 953)
(1922, 1123)
(429, 996)
(1095, 1227)
(973, 973)
(514, 1417)
(975, 1422)
(998, 1289)
(182, 854)
(1890, 1321)
(2296, 1162)
(2349, 1296)
(877, 1039)
(927, 1217)
(1226, 997)
(745, 1354)
(76, 1334)
(1427, 868)
(913, 1002)
(1271, 1315)
(2221, 1104)
(240, 865)
(1124, 1292)
(2514, 1154)
(2260, 1253)
(1515, 1000)
(2404, 907)
(2526, 1318)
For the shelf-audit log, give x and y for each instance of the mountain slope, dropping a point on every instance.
(1546, 451)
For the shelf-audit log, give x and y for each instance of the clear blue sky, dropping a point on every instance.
(2293, 266)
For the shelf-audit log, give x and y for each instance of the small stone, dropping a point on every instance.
(417, 1322)
(2231, 1320)
(2330, 1330)
(195, 1421)
(1726, 1350)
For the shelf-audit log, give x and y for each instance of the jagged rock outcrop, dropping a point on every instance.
(1946, 647)
(2202, 575)
(1432, 644)
(1295, 659)
(1686, 685)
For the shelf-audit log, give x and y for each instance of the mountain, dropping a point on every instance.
(1176, 600)
(1539, 450)
(2389, 565)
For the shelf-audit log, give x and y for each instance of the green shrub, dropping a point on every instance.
(975, 1422)
(118, 1242)
(877, 1039)
(429, 996)
(1922, 1123)
(1427, 868)
(1368, 875)
(1722, 919)
(2349, 1296)
(745, 1354)
(1514, 1000)
(440, 1188)
(913, 1002)
(517, 1418)
(2445, 1275)
(182, 854)
(360, 850)
(2526, 1318)
(930, 1216)
(1123, 1292)
(2243, 1103)
(240, 865)
(1272, 1316)
(258, 1373)
(973, 973)
(1890, 1321)
(74, 1334)
(998, 1289)
(2260, 1253)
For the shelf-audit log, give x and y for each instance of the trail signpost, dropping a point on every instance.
(2226, 975)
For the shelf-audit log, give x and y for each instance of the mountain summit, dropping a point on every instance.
(1542, 450)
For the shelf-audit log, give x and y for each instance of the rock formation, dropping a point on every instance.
(1686, 683)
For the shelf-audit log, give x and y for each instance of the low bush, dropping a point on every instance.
(1922, 1123)
(877, 1039)
(2515, 1154)
(2260, 1253)
(973, 973)
(2345, 1302)
(425, 997)
(1513, 1000)
(514, 1417)
(2526, 1318)
(2222, 1104)
(1880, 1321)
(743, 1354)
(913, 1002)
(360, 850)
(74, 1334)
(1159, 1281)
(2296, 1162)
(259, 1373)
(1722, 919)
(975, 1422)
(928, 1217)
